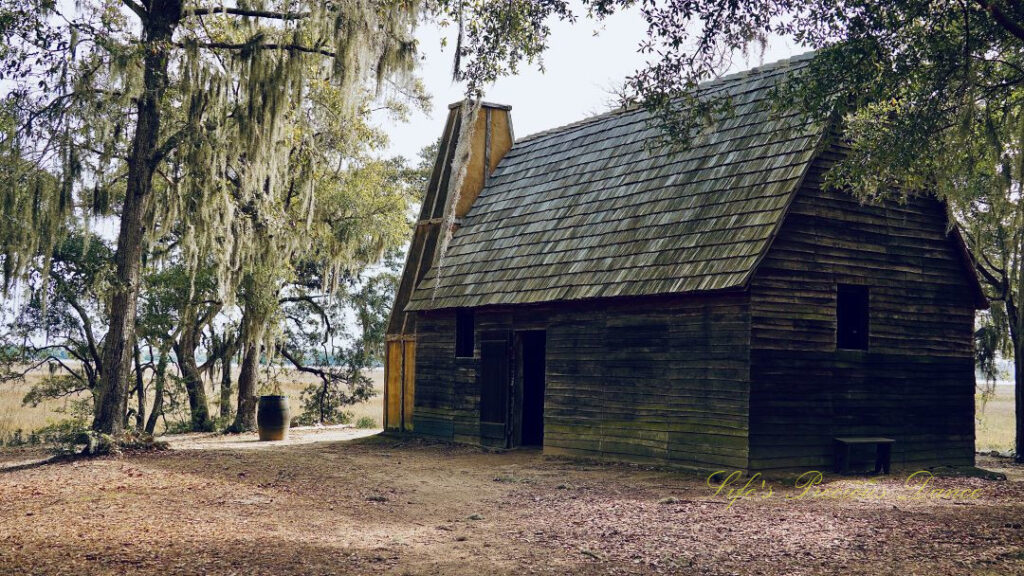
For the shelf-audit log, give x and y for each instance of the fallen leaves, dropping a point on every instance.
(345, 508)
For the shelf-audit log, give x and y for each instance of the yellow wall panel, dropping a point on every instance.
(393, 386)
(409, 395)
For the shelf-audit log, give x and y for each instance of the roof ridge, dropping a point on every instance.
(713, 82)
(578, 123)
(590, 212)
(764, 68)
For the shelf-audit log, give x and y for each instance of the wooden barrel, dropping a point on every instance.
(272, 417)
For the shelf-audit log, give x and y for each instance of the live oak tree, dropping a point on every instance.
(163, 112)
(235, 73)
(316, 336)
(361, 213)
(367, 207)
(176, 307)
(338, 208)
(983, 187)
(60, 323)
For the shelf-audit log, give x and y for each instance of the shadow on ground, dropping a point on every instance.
(383, 505)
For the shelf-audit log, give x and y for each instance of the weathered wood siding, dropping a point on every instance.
(915, 383)
(655, 379)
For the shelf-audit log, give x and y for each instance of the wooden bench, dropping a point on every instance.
(883, 452)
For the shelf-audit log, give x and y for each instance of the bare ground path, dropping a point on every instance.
(379, 505)
(251, 441)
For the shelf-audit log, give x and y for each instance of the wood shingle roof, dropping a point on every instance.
(595, 209)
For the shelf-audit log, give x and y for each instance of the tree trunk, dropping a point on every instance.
(245, 417)
(158, 392)
(185, 350)
(140, 390)
(323, 400)
(225, 386)
(158, 30)
(199, 408)
(1018, 395)
(1014, 319)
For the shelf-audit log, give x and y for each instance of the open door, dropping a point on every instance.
(528, 390)
(495, 384)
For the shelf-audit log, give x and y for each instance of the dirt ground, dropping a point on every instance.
(331, 503)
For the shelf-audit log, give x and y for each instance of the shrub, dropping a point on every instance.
(366, 422)
(341, 384)
(177, 427)
(64, 436)
(13, 439)
(307, 418)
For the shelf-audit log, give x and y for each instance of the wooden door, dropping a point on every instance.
(399, 384)
(495, 384)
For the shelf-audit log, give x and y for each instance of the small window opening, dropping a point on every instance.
(464, 334)
(852, 317)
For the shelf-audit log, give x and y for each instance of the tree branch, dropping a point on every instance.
(253, 46)
(68, 369)
(85, 362)
(14, 375)
(139, 10)
(329, 329)
(87, 328)
(169, 145)
(213, 308)
(245, 12)
(323, 374)
(992, 280)
(288, 299)
(1002, 18)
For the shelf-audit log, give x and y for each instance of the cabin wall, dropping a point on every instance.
(915, 383)
(656, 379)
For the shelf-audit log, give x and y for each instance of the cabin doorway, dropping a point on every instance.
(512, 369)
(495, 382)
(530, 383)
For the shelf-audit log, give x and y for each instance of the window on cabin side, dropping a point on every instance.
(852, 317)
(464, 334)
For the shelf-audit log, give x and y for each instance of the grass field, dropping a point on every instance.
(995, 427)
(15, 416)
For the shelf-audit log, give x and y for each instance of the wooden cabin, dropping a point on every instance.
(714, 306)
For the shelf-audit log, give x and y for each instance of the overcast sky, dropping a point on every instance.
(583, 63)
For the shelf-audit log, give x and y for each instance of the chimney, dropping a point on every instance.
(490, 138)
